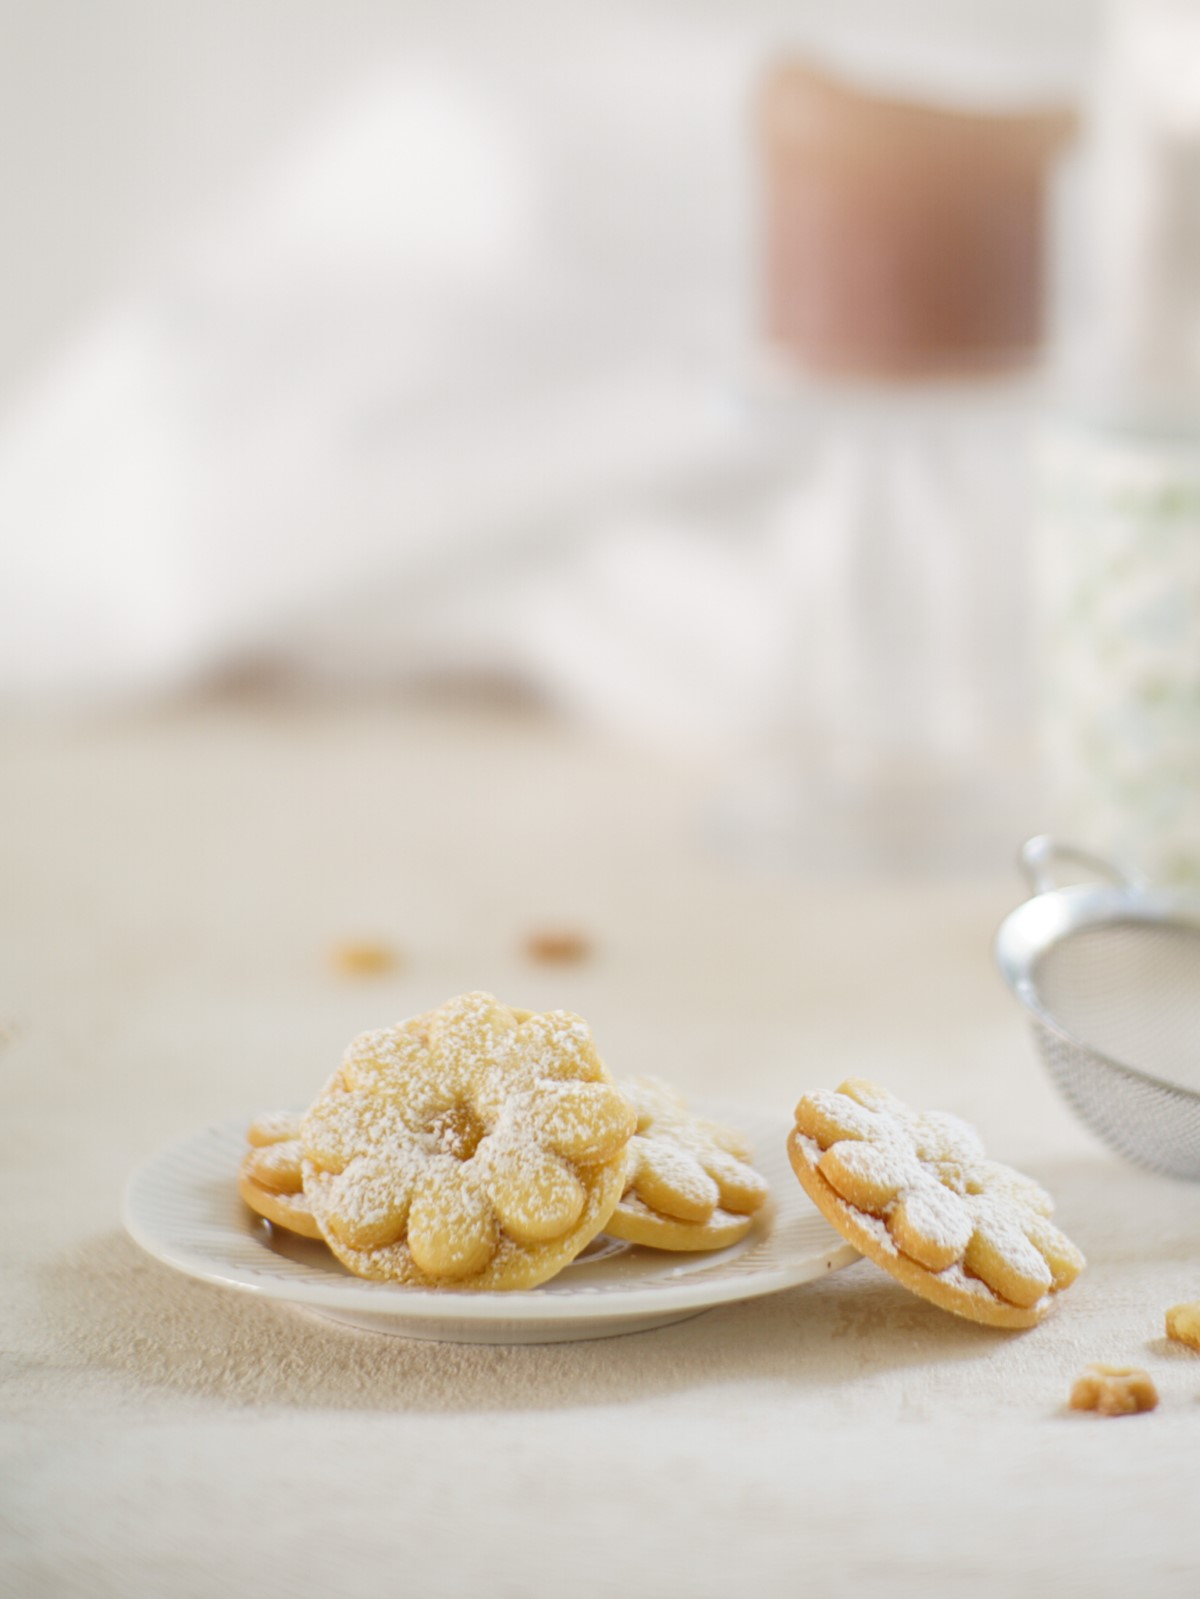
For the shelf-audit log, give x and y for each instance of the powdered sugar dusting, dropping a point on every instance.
(935, 1198)
(274, 1127)
(463, 1142)
(685, 1160)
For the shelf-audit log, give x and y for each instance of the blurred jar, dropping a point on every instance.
(903, 289)
(1118, 535)
(1118, 565)
(901, 239)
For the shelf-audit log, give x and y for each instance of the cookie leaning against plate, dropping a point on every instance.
(690, 1184)
(917, 1195)
(472, 1147)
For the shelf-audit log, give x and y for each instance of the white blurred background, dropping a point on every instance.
(381, 344)
(126, 126)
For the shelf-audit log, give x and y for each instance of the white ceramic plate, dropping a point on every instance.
(182, 1206)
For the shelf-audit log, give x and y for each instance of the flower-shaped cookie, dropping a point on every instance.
(271, 1176)
(475, 1146)
(917, 1194)
(690, 1184)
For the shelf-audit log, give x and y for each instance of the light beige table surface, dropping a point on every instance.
(171, 886)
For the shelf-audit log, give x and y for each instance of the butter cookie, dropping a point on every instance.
(917, 1195)
(690, 1184)
(474, 1147)
(271, 1180)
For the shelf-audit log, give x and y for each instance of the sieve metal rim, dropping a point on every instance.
(1057, 912)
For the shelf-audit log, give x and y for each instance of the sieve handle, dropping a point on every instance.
(1040, 855)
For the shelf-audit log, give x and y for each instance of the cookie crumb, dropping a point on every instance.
(1114, 1390)
(363, 958)
(1183, 1324)
(557, 945)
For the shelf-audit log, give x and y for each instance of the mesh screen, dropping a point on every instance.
(1130, 990)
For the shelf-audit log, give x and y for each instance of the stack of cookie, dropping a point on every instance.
(480, 1147)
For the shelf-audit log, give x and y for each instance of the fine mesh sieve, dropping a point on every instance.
(1110, 976)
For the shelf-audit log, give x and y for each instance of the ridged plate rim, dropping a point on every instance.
(181, 1206)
